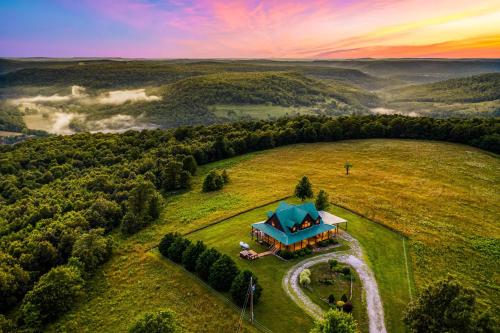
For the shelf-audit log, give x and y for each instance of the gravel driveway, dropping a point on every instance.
(353, 257)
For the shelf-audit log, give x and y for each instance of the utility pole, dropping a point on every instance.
(251, 299)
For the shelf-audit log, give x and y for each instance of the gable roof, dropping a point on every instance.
(289, 216)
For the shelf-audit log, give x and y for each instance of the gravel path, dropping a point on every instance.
(353, 257)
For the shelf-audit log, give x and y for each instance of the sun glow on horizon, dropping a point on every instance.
(251, 28)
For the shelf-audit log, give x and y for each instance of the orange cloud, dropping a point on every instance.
(481, 47)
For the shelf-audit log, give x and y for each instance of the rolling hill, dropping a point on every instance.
(479, 88)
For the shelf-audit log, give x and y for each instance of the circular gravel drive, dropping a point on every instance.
(353, 257)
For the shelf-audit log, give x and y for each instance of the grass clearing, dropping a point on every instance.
(383, 253)
(442, 196)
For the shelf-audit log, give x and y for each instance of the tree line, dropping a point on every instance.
(60, 197)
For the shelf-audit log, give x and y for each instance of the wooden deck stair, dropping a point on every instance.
(272, 250)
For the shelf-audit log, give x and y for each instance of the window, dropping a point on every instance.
(306, 224)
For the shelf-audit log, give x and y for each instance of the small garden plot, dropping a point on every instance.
(330, 286)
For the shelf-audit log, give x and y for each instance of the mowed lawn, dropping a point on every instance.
(443, 196)
(382, 247)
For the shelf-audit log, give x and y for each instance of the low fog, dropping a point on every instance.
(55, 114)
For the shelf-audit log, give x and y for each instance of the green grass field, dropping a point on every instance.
(270, 270)
(442, 196)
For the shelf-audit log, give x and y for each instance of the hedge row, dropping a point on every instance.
(219, 270)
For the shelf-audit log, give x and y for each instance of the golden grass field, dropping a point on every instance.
(443, 196)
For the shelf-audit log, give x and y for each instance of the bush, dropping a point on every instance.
(222, 273)
(239, 287)
(339, 304)
(344, 298)
(213, 182)
(205, 262)
(166, 241)
(331, 299)
(51, 296)
(92, 249)
(163, 321)
(335, 321)
(190, 256)
(347, 307)
(333, 263)
(286, 254)
(176, 250)
(346, 271)
(305, 277)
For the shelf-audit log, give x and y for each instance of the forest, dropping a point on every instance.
(38, 94)
(61, 196)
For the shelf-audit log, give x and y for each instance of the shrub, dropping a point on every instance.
(335, 321)
(331, 299)
(333, 263)
(344, 298)
(327, 282)
(191, 254)
(346, 270)
(339, 304)
(239, 287)
(222, 273)
(163, 321)
(347, 307)
(213, 182)
(305, 277)
(166, 241)
(92, 249)
(286, 254)
(205, 261)
(51, 296)
(176, 250)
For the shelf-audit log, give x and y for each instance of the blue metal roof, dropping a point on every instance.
(293, 215)
(289, 239)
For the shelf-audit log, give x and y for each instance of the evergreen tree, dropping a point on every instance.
(176, 250)
(222, 273)
(166, 241)
(190, 256)
(205, 262)
(322, 200)
(240, 285)
(303, 190)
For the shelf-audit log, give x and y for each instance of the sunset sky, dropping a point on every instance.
(250, 28)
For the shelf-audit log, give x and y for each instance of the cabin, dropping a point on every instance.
(293, 227)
